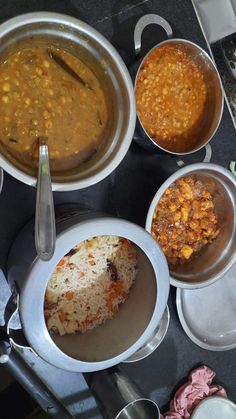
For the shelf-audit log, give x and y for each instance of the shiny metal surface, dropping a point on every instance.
(216, 259)
(215, 407)
(45, 228)
(152, 344)
(87, 43)
(208, 315)
(215, 98)
(217, 19)
(119, 397)
(145, 21)
(140, 409)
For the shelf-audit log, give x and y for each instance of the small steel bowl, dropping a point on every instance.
(215, 100)
(214, 260)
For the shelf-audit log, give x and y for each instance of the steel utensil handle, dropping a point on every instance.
(207, 158)
(45, 229)
(145, 21)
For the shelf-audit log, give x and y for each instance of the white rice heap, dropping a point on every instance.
(89, 283)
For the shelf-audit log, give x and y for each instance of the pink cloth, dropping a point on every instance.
(190, 394)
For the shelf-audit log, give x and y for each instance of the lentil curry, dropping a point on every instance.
(171, 97)
(39, 98)
(184, 220)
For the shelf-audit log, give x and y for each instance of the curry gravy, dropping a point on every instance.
(39, 98)
(171, 97)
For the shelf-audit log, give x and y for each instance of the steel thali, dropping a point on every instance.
(208, 315)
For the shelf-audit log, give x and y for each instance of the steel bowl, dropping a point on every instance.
(91, 47)
(215, 99)
(214, 260)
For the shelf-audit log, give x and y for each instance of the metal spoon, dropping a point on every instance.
(45, 229)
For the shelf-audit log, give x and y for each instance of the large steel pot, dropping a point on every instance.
(117, 339)
(90, 46)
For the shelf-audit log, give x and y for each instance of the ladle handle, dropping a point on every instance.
(45, 229)
(145, 21)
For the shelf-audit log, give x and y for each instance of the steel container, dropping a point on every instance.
(215, 259)
(115, 340)
(90, 46)
(119, 397)
(215, 99)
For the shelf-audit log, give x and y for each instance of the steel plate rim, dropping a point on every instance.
(188, 331)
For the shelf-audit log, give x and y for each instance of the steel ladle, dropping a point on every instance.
(45, 229)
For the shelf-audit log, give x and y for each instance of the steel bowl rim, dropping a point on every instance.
(171, 179)
(133, 402)
(207, 56)
(36, 17)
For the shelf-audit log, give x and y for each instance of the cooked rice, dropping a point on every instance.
(89, 283)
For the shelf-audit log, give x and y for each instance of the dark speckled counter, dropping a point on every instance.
(119, 194)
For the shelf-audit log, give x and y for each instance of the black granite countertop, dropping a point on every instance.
(140, 170)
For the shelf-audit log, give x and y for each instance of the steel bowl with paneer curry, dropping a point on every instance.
(192, 217)
(185, 220)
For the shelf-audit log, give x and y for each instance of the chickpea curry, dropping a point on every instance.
(185, 220)
(42, 98)
(171, 97)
